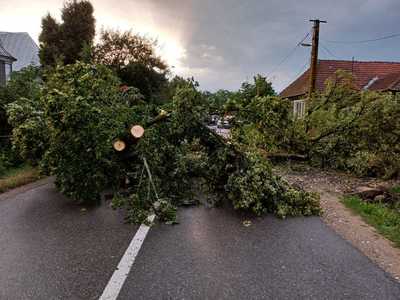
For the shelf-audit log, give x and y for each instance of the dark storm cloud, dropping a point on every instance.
(228, 41)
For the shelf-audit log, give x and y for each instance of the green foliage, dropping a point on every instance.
(354, 131)
(82, 110)
(67, 42)
(8, 158)
(30, 137)
(68, 128)
(78, 29)
(395, 189)
(265, 122)
(254, 187)
(134, 59)
(260, 88)
(25, 83)
(218, 100)
(189, 152)
(50, 41)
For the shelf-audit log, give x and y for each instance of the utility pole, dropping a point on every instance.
(314, 56)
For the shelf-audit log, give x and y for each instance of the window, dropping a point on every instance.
(8, 71)
(299, 108)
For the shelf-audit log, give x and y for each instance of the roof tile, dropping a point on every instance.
(387, 73)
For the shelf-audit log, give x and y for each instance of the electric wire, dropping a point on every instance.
(289, 54)
(300, 71)
(329, 52)
(365, 41)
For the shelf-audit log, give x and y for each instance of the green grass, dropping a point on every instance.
(16, 177)
(395, 189)
(385, 219)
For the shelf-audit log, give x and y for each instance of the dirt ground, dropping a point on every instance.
(332, 185)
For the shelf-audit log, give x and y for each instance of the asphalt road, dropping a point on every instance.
(211, 255)
(50, 249)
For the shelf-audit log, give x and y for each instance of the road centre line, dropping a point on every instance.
(119, 276)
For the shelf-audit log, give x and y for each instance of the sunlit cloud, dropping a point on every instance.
(222, 43)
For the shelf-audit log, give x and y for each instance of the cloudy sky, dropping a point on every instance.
(222, 43)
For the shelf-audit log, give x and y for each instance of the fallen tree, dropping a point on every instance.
(99, 136)
(343, 128)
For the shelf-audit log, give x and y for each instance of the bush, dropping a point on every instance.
(30, 137)
(23, 84)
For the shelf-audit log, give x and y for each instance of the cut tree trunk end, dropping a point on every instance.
(137, 131)
(119, 145)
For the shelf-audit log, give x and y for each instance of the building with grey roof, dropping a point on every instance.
(6, 61)
(17, 51)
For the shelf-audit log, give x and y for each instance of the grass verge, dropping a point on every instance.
(18, 176)
(385, 219)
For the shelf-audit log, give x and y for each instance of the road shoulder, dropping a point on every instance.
(332, 186)
(24, 188)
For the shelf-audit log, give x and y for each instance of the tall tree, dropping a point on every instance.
(50, 41)
(134, 59)
(68, 40)
(260, 87)
(78, 29)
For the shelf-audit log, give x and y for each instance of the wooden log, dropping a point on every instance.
(119, 145)
(137, 131)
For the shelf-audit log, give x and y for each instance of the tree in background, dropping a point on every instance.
(50, 41)
(248, 91)
(218, 100)
(178, 82)
(261, 87)
(78, 29)
(134, 59)
(67, 41)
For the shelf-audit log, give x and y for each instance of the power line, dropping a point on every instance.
(300, 71)
(289, 54)
(292, 78)
(329, 51)
(365, 41)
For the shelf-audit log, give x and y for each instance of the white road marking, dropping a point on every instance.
(119, 276)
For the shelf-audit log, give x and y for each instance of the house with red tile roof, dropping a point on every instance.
(367, 75)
